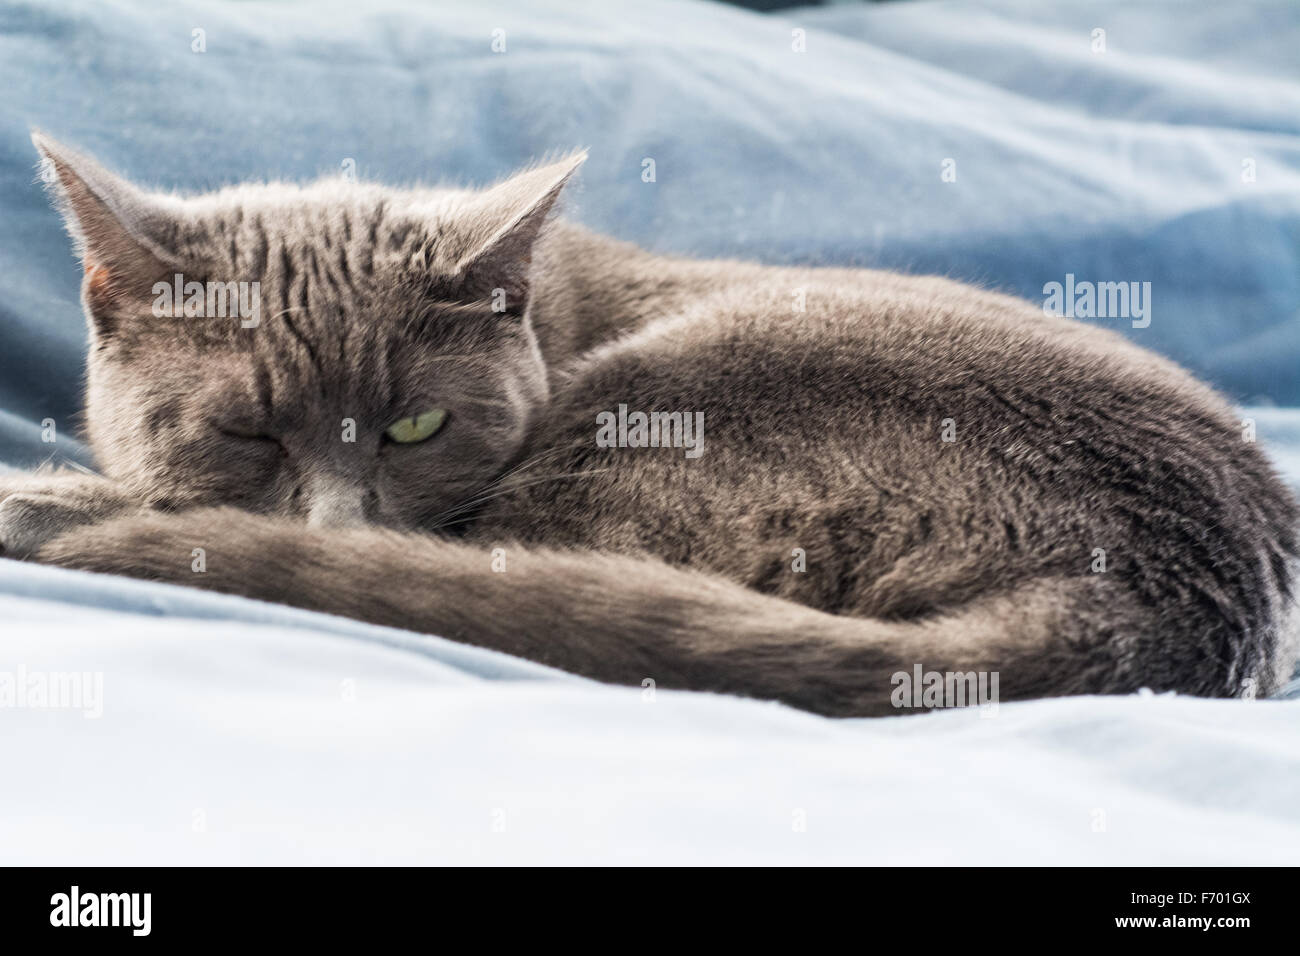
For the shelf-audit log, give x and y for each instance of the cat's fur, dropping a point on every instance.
(824, 432)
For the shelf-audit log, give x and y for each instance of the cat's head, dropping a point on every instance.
(340, 351)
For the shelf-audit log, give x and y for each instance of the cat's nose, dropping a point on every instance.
(335, 502)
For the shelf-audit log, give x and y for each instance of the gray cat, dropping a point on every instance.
(458, 415)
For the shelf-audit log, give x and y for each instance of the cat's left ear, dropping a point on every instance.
(501, 225)
(120, 231)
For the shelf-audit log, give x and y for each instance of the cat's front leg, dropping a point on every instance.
(36, 507)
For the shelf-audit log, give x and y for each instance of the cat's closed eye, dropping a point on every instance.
(246, 433)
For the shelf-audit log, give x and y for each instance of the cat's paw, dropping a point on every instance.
(27, 521)
(35, 509)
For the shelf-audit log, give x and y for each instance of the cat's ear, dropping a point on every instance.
(500, 226)
(118, 229)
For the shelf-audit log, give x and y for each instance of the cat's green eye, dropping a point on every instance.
(409, 431)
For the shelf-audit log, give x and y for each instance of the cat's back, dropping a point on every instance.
(858, 351)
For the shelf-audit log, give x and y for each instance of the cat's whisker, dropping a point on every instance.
(283, 312)
(454, 358)
(501, 491)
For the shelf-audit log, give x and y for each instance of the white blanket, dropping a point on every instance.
(303, 739)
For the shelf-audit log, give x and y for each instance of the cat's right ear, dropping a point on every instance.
(497, 230)
(119, 232)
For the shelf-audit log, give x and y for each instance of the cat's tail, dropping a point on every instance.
(624, 619)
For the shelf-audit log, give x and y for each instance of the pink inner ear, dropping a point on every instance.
(99, 283)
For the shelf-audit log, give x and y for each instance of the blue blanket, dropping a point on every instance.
(1006, 143)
